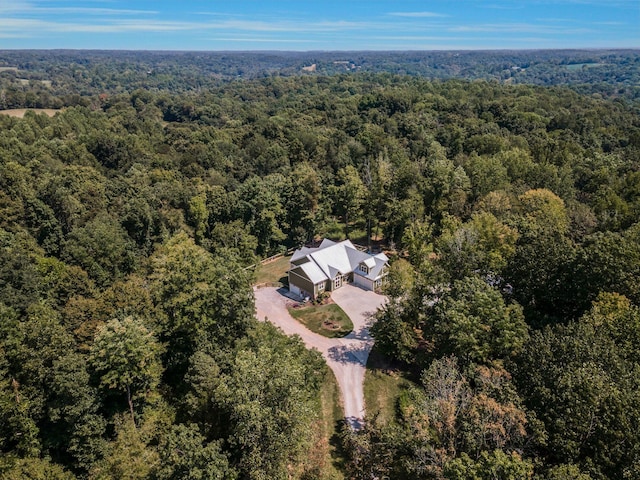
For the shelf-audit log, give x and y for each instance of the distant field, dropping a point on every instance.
(8, 69)
(19, 112)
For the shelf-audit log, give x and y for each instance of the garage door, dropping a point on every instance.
(294, 289)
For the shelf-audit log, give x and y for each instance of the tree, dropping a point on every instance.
(261, 203)
(33, 468)
(185, 453)
(491, 465)
(440, 432)
(129, 456)
(400, 279)
(348, 195)
(199, 216)
(608, 262)
(580, 379)
(473, 322)
(234, 237)
(102, 248)
(483, 245)
(205, 299)
(303, 205)
(540, 270)
(74, 427)
(267, 396)
(125, 356)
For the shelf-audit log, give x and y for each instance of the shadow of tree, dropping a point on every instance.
(354, 422)
(350, 354)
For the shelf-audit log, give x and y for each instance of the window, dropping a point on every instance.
(364, 268)
(321, 287)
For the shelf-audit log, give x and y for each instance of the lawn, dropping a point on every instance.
(325, 453)
(383, 385)
(327, 320)
(273, 272)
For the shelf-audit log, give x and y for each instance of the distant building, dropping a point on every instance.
(331, 265)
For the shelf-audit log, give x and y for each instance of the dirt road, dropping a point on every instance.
(347, 356)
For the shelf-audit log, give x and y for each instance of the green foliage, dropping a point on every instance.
(129, 455)
(581, 379)
(102, 248)
(264, 396)
(450, 427)
(470, 320)
(33, 468)
(269, 413)
(159, 181)
(473, 322)
(492, 465)
(348, 195)
(482, 245)
(205, 299)
(125, 356)
(185, 453)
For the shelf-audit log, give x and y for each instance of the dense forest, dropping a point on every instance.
(52, 78)
(128, 343)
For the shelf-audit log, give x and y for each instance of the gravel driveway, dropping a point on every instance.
(347, 356)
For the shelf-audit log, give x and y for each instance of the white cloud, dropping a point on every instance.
(146, 25)
(262, 39)
(519, 28)
(418, 14)
(91, 11)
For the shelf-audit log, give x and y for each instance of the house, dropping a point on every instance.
(331, 265)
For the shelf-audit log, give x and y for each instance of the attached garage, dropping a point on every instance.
(363, 282)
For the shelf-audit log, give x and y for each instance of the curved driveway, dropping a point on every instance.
(346, 356)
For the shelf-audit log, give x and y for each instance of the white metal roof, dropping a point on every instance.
(370, 262)
(331, 259)
(313, 272)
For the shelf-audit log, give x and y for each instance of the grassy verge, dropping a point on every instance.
(327, 320)
(273, 272)
(383, 384)
(331, 415)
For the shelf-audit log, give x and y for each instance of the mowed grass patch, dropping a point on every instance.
(325, 460)
(19, 112)
(273, 272)
(383, 385)
(327, 320)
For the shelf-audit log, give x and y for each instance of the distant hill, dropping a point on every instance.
(65, 73)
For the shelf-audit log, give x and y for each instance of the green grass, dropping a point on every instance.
(273, 272)
(327, 320)
(331, 415)
(383, 385)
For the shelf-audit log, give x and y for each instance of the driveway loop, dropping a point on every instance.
(347, 356)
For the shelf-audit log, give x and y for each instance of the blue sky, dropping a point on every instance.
(319, 24)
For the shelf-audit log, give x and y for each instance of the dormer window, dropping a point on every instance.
(364, 268)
